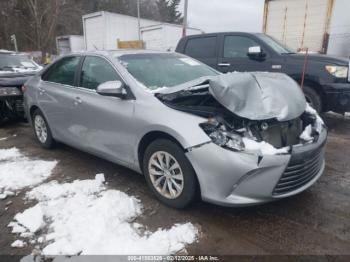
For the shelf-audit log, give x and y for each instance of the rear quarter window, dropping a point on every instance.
(201, 47)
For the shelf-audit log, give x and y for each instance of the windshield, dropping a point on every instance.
(16, 62)
(164, 70)
(275, 44)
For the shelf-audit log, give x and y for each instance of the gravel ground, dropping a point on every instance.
(315, 222)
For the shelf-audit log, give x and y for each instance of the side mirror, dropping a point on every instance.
(255, 52)
(112, 88)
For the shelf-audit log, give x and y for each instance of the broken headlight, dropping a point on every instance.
(220, 136)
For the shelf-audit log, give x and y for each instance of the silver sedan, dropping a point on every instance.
(233, 139)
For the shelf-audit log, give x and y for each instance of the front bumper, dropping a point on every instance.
(239, 179)
(338, 97)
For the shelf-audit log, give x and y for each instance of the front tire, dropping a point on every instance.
(42, 130)
(313, 98)
(169, 174)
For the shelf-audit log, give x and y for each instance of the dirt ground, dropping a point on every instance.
(315, 222)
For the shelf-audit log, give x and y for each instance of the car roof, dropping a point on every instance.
(221, 33)
(119, 52)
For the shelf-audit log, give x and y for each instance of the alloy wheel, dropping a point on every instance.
(166, 174)
(40, 128)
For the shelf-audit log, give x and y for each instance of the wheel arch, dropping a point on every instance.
(32, 109)
(314, 85)
(319, 90)
(151, 136)
(148, 138)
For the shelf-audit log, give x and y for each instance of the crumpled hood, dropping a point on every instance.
(259, 96)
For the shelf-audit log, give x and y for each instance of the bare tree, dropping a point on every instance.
(7, 23)
(43, 18)
(36, 23)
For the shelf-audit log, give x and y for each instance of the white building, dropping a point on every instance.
(102, 30)
(339, 39)
(69, 43)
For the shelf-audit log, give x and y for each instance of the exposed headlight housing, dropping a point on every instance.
(221, 137)
(338, 71)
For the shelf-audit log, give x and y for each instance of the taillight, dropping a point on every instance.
(24, 89)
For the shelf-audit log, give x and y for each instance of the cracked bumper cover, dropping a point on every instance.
(239, 179)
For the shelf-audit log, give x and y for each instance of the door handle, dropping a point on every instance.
(78, 101)
(224, 64)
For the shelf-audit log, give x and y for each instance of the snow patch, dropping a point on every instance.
(263, 147)
(18, 244)
(319, 122)
(306, 135)
(22, 70)
(158, 89)
(3, 138)
(16, 228)
(83, 217)
(18, 171)
(32, 219)
(5, 194)
(9, 154)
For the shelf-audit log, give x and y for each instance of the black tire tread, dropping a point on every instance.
(50, 142)
(315, 97)
(189, 192)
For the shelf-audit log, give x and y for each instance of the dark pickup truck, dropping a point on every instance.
(326, 78)
(15, 70)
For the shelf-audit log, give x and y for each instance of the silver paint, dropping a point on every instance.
(112, 128)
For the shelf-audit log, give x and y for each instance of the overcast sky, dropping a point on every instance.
(225, 15)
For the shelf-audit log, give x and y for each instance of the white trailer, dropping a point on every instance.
(312, 24)
(164, 36)
(69, 43)
(339, 39)
(103, 30)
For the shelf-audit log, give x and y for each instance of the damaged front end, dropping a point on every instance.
(11, 103)
(267, 142)
(260, 113)
(11, 95)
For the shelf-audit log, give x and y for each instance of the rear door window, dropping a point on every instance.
(63, 72)
(95, 71)
(201, 47)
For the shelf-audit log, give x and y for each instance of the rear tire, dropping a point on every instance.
(42, 130)
(3, 113)
(169, 173)
(313, 98)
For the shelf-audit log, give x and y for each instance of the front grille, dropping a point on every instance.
(300, 170)
(19, 106)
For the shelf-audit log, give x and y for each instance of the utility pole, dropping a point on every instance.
(138, 19)
(184, 25)
(14, 41)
